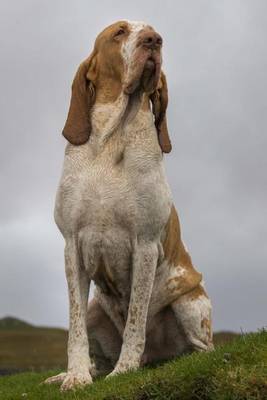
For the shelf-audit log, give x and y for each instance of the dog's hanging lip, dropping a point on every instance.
(150, 63)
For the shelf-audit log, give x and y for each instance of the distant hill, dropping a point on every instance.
(27, 347)
(14, 323)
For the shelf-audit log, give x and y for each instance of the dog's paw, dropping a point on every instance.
(74, 380)
(113, 373)
(55, 379)
(122, 369)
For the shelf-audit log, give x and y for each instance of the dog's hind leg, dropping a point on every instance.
(193, 313)
(104, 340)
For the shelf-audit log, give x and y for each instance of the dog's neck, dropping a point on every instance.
(111, 118)
(122, 130)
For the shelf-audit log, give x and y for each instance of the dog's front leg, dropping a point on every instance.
(144, 267)
(78, 348)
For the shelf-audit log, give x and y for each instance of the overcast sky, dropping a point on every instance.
(215, 58)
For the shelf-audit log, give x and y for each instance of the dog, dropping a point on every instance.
(115, 210)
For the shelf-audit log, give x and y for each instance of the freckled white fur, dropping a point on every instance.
(106, 117)
(191, 314)
(175, 272)
(129, 47)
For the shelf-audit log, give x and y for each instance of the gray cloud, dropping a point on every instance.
(215, 58)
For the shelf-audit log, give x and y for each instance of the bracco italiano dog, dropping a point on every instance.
(115, 211)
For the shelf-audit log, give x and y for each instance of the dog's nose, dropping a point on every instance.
(151, 40)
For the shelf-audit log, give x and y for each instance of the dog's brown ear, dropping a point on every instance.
(159, 99)
(77, 128)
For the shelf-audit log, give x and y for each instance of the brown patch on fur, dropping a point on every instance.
(176, 255)
(108, 69)
(197, 292)
(77, 128)
(172, 241)
(185, 283)
(98, 79)
(173, 246)
(206, 325)
(210, 332)
(145, 103)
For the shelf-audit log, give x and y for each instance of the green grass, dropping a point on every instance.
(234, 371)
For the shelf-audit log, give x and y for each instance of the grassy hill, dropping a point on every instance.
(234, 371)
(14, 323)
(26, 347)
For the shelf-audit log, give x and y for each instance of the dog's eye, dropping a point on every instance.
(120, 32)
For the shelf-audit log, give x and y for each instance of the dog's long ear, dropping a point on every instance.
(159, 99)
(77, 128)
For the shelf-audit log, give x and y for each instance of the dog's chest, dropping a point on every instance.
(109, 201)
(122, 187)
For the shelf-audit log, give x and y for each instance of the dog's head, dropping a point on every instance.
(126, 58)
